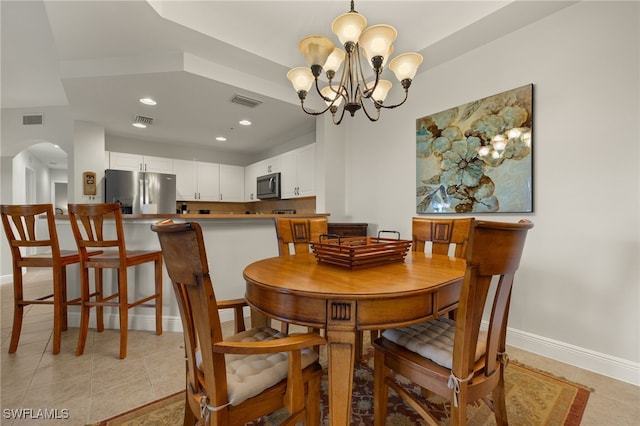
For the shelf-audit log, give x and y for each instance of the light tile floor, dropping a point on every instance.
(98, 385)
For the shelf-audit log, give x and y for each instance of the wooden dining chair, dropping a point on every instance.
(295, 234)
(243, 377)
(294, 237)
(442, 236)
(88, 225)
(456, 359)
(19, 222)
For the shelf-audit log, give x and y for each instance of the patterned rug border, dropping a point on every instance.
(574, 414)
(551, 375)
(579, 405)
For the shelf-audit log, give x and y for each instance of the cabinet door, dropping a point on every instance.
(271, 165)
(298, 172)
(251, 172)
(158, 164)
(124, 161)
(186, 180)
(306, 171)
(288, 177)
(208, 181)
(231, 183)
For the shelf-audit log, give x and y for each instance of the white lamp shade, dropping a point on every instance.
(405, 65)
(301, 78)
(316, 49)
(377, 39)
(335, 60)
(381, 91)
(331, 93)
(348, 27)
(385, 57)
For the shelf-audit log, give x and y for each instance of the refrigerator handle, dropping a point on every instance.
(145, 191)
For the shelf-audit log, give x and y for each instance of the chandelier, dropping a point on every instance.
(353, 91)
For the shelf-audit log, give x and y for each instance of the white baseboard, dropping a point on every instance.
(136, 322)
(139, 322)
(607, 365)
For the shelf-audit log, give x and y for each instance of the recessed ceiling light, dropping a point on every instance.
(245, 122)
(148, 101)
(139, 125)
(221, 139)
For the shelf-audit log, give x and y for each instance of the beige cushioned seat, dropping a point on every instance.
(433, 340)
(249, 375)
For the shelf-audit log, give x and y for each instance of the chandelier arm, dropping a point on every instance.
(313, 112)
(341, 117)
(362, 87)
(331, 102)
(348, 72)
(319, 92)
(380, 105)
(370, 116)
(367, 92)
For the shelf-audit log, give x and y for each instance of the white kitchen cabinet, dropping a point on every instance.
(208, 178)
(298, 172)
(140, 163)
(197, 181)
(270, 165)
(231, 183)
(251, 172)
(200, 181)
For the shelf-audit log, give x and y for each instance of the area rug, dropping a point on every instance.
(533, 398)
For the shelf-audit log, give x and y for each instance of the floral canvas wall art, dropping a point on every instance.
(477, 157)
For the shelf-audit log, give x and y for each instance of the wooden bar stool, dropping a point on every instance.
(19, 222)
(87, 224)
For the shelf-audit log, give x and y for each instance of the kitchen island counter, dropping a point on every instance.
(232, 241)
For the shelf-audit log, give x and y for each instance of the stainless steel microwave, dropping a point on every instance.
(269, 186)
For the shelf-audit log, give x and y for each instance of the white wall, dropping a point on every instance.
(577, 292)
(87, 155)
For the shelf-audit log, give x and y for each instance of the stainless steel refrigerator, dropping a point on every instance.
(141, 192)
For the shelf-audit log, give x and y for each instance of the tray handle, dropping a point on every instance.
(389, 232)
(330, 237)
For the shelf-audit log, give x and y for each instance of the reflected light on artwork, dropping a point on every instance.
(500, 142)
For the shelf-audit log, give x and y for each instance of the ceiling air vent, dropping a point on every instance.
(147, 121)
(32, 119)
(245, 101)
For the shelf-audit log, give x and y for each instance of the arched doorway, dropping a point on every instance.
(40, 175)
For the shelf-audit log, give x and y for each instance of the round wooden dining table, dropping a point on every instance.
(344, 302)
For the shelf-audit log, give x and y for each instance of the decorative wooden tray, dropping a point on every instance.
(359, 252)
